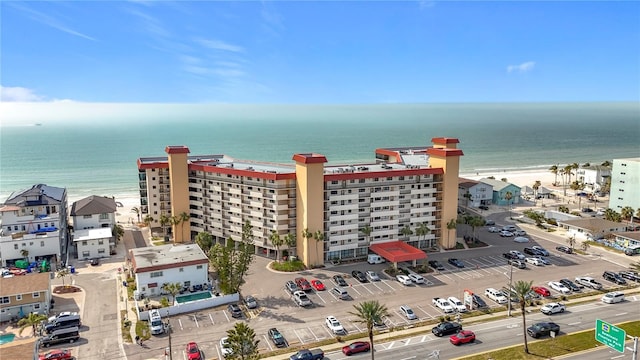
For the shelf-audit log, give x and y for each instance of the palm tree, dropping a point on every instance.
(567, 170)
(184, 217)
(612, 215)
(508, 196)
(173, 289)
(521, 289)
(370, 313)
(554, 171)
(406, 232)
(136, 210)
(451, 225)
(607, 163)
(366, 231)
(118, 231)
(535, 187)
(422, 230)
(290, 240)
(164, 221)
(276, 241)
(147, 220)
(306, 235)
(586, 165)
(627, 213)
(174, 221)
(62, 273)
(467, 196)
(25, 254)
(571, 241)
(475, 222)
(32, 319)
(319, 236)
(242, 343)
(575, 186)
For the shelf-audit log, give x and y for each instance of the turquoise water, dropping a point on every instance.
(193, 297)
(97, 156)
(6, 338)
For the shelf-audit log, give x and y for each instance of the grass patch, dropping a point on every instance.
(476, 244)
(288, 266)
(550, 348)
(158, 243)
(142, 330)
(125, 326)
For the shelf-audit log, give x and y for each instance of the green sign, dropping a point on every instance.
(610, 335)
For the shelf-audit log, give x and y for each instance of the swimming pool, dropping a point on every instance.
(6, 338)
(193, 297)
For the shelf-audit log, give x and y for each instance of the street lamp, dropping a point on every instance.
(169, 331)
(510, 290)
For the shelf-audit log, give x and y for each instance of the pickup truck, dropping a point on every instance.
(313, 354)
(443, 305)
(301, 298)
(552, 308)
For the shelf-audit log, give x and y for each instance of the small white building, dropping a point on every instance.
(158, 265)
(593, 176)
(479, 193)
(591, 228)
(92, 243)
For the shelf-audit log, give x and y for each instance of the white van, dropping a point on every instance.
(613, 297)
(155, 322)
(375, 259)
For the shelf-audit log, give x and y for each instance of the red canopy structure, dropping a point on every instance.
(398, 251)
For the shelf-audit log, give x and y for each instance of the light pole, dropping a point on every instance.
(169, 331)
(510, 290)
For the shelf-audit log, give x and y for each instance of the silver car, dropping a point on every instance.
(250, 302)
(372, 276)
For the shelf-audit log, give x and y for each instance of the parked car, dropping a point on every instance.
(518, 254)
(434, 264)
(404, 279)
(56, 355)
(564, 249)
(520, 233)
(614, 278)
(446, 328)
(224, 347)
(408, 312)
(301, 299)
(250, 302)
(277, 338)
(457, 304)
(571, 285)
(541, 290)
(334, 325)
(372, 276)
(521, 239)
(542, 250)
(443, 305)
(340, 293)
(542, 329)
(478, 302)
(496, 295)
(517, 263)
(291, 287)
(630, 275)
(485, 207)
(356, 347)
(505, 233)
(543, 259)
(559, 287)
(416, 278)
(494, 230)
(234, 310)
(511, 228)
(552, 308)
(463, 337)
(193, 351)
(531, 251)
(318, 285)
(95, 262)
(306, 354)
(510, 256)
(534, 261)
(455, 262)
(588, 282)
(359, 275)
(302, 283)
(339, 280)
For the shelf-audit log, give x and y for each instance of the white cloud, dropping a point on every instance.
(522, 68)
(219, 45)
(50, 21)
(18, 94)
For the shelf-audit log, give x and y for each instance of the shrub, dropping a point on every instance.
(288, 266)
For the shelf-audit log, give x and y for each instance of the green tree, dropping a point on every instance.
(172, 289)
(571, 241)
(508, 196)
(586, 165)
(184, 217)
(118, 232)
(205, 241)
(563, 209)
(33, 320)
(25, 254)
(276, 241)
(174, 221)
(62, 273)
(306, 235)
(370, 313)
(246, 251)
(366, 231)
(521, 290)
(451, 225)
(136, 210)
(147, 220)
(627, 213)
(554, 170)
(475, 222)
(422, 230)
(291, 241)
(575, 186)
(406, 232)
(222, 258)
(242, 343)
(467, 196)
(535, 187)
(319, 237)
(607, 163)
(164, 221)
(612, 215)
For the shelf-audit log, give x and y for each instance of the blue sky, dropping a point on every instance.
(319, 52)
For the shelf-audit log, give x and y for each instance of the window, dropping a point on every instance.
(41, 243)
(36, 306)
(84, 243)
(86, 253)
(86, 216)
(101, 242)
(15, 246)
(18, 297)
(35, 295)
(104, 216)
(5, 300)
(181, 270)
(199, 267)
(155, 274)
(101, 251)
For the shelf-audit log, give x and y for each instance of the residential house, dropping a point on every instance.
(591, 228)
(627, 239)
(479, 193)
(33, 225)
(155, 266)
(21, 295)
(95, 213)
(502, 191)
(593, 177)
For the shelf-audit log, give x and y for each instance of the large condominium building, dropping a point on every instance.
(406, 197)
(625, 184)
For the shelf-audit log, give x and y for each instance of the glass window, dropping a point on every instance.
(35, 295)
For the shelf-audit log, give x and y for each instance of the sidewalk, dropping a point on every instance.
(427, 328)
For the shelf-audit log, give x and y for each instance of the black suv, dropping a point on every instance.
(532, 251)
(630, 275)
(235, 311)
(277, 338)
(436, 265)
(339, 280)
(614, 278)
(359, 275)
(542, 329)
(446, 328)
(571, 285)
(478, 302)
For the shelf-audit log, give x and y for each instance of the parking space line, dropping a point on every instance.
(268, 342)
(376, 285)
(225, 315)
(323, 300)
(314, 335)
(367, 288)
(180, 323)
(195, 318)
(424, 311)
(356, 290)
(211, 317)
(299, 338)
(386, 282)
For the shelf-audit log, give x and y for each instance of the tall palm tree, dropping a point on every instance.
(508, 196)
(366, 231)
(174, 221)
(467, 196)
(32, 319)
(370, 313)
(567, 170)
(475, 222)
(571, 241)
(276, 241)
(147, 220)
(62, 273)
(136, 210)
(25, 254)
(521, 289)
(422, 230)
(290, 240)
(306, 235)
(406, 232)
(451, 225)
(627, 213)
(554, 171)
(164, 221)
(173, 289)
(535, 187)
(319, 237)
(607, 163)
(184, 217)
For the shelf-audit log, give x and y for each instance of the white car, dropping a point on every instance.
(372, 276)
(511, 228)
(517, 254)
(418, 279)
(552, 308)
(505, 233)
(559, 287)
(589, 282)
(443, 305)
(404, 279)
(494, 229)
(301, 298)
(334, 325)
(496, 295)
(224, 347)
(534, 261)
(520, 233)
(457, 304)
(521, 239)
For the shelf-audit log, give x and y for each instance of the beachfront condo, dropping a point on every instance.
(625, 184)
(398, 205)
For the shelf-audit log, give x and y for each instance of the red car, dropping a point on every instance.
(302, 283)
(356, 347)
(541, 290)
(56, 355)
(193, 352)
(463, 337)
(318, 285)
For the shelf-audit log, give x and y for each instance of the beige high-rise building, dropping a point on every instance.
(406, 197)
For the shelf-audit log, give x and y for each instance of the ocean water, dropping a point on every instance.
(96, 155)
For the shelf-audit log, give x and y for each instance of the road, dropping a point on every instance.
(605, 353)
(501, 333)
